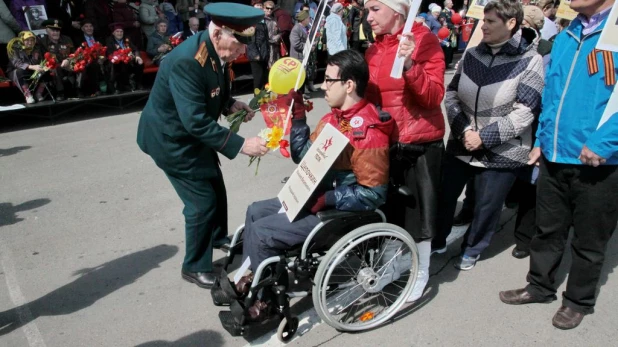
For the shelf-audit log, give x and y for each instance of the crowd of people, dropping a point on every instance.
(516, 114)
(519, 109)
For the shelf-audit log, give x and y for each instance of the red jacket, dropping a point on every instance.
(413, 100)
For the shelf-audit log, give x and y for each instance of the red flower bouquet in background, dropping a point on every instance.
(175, 40)
(85, 55)
(49, 63)
(122, 56)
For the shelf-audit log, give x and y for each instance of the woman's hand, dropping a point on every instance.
(406, 48)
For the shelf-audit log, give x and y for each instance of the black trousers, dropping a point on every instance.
(419, 169)
(205, 214)
(491, 187)
(88, 81)
(582, 196)
(120, 75)
(525, 221)
(259, 71)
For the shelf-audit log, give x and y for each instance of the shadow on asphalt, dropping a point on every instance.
(200, 338)
(92, 285)
(8, 211)
(5, 152)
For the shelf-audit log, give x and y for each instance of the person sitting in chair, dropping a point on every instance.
(359, 175)
(159, 42)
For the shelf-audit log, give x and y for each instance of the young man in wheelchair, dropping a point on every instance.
(358, 180)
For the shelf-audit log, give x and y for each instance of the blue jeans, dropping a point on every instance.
(491, 187)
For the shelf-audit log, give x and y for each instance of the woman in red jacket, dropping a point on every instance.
(414, 102)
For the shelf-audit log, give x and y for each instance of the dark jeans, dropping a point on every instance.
(491, 187)
(259, 72)
(522, 192)
(582, 196)
(269, 233)
(420, 170)
(205, 214)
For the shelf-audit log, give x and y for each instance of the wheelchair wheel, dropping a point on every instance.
(287, 329)
(366, 277)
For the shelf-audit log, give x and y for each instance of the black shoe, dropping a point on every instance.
(520, 253)
(464, 217)
(223, 244)
(80, 94)
(202, 279)
(60, 97)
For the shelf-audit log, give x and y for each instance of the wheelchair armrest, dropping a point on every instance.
(337, 214)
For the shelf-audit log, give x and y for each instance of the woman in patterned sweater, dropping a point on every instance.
(491, 104)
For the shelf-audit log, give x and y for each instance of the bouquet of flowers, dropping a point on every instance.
(260, 97)
(85, 55)
(49, 63)
(122, 55)
(172, 41)
(274, 141)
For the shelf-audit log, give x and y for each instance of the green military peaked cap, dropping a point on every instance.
(240, 19)
(52, 23)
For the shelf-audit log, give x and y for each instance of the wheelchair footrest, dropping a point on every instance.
(230, 324)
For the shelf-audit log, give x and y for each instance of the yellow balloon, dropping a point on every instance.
(284, 73)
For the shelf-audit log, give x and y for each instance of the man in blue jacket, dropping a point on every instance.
(577, 150)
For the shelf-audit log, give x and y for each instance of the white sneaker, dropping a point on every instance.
(419, 286)
(30, 99)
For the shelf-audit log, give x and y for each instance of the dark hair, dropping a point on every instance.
(352, 66)
(507, 9)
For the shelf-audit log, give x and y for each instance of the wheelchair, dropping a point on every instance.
(359, 268)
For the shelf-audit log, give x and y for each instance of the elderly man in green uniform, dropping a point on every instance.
(60, 46)
(178, 128)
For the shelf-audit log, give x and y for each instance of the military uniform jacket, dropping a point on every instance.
(178, 127)
(60, 49)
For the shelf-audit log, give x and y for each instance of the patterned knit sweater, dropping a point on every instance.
(498, 95)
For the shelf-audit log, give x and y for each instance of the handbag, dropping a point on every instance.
(282, 49)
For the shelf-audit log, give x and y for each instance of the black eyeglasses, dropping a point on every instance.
(329, 81)
(268, 8)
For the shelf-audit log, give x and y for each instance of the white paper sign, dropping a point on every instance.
(611, 109)
(311, 170)
(608, 41)
(397, 69)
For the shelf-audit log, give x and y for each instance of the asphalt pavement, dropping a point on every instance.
(92, 240)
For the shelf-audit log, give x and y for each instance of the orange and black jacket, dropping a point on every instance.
(358, 180)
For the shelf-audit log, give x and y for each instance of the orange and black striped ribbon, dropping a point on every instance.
(608, 62)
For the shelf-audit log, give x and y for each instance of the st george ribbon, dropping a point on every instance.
(397, 70)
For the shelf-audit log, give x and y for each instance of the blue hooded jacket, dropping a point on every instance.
(574, 99)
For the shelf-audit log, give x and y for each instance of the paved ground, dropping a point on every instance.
(91, 243)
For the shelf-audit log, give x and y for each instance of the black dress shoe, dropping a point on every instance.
(520, 253)
(521, 297)
(202, 279)
(567, 318)
(464, 217)
(223, 244)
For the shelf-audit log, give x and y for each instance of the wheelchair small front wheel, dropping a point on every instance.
(287, 329)
(366, 277)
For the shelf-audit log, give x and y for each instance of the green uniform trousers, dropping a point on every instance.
(205, 214)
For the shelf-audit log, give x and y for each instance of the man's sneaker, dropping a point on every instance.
(466, 263)
(419, 286)
(30, 99)
(438, 250)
